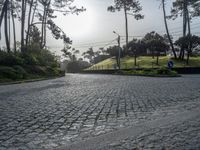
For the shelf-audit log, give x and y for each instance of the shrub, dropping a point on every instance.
(46, 58)
(30, 59)
(52, 71)
(163, 71)
(151, 72)
(61, 72)
(36, 70)
(20, 71)
(10, 73)
(9, 59)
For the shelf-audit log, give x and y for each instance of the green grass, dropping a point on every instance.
(144, 62)
(161, 72)
(27, 73)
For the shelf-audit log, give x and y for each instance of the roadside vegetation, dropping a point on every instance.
(26, 56)
(33, 65)
(144, 62)
(160, 72)
(155, 50)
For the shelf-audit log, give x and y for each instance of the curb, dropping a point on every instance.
(31, 80)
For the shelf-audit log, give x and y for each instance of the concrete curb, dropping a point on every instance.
(27, 81)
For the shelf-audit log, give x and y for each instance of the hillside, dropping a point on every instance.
(144, 62)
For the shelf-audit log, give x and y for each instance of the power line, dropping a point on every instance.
(83, 44)
(101, 43)
(98, 45)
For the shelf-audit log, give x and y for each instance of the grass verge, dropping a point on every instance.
(19, 74)
(161, 72)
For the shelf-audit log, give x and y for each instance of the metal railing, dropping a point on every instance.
(113, 67)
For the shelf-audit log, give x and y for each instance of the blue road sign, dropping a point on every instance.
(170, 64)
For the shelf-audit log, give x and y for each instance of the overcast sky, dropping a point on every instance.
(94, 28)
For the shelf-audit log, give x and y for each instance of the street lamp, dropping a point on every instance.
(118, 40)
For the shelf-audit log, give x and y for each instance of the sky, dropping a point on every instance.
(94, 27)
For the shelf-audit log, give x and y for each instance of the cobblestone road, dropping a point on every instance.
(51, 113)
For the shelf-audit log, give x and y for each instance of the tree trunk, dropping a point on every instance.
(189, 33)
(6, 28)
(2, 13)
(135, 60)
(126, 26)
(157, 59)
(182, 52)
(23, 25)
(117, 60)
(9, 26)
(14, 31)
(153, 55)
(42, 28)
(32, 19)
(29, 22)
(167, 30)
(45, 30)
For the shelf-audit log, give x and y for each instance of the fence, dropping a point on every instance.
(122, 66)
(113, 68)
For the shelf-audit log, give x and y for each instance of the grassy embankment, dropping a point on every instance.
(27, 73)
(144, 62)
(30, 66)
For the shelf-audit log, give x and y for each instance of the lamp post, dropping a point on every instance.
(118, 40)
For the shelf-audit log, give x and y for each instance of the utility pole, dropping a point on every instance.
(118, 40)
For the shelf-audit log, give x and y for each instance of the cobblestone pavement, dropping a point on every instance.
(51, 113)
(184, 136)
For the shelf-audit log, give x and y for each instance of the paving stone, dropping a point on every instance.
(41, 115)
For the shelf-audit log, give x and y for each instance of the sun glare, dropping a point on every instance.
(81, 25)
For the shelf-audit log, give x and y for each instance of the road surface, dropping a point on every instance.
(64, 112)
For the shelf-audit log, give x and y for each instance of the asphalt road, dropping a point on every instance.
(57, 113)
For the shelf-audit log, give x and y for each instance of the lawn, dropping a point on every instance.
(144, 62)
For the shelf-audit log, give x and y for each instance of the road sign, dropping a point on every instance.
(170, 64)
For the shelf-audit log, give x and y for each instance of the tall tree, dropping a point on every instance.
(23, 18)
(6, 27)
(186, 9)
(29, 21)
(188, 42)
(13, 24)
(89, 54)
(156, 44)
(3, 10)
(113, 52)
(136, 47)
(130, 7)
(167, 29)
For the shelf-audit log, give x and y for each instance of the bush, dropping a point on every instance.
(163, 71)
(21, 71)
(61, 72)
(30, 59)
(10, 73)
(52, 71)
(46, 58)
(151, 72)
(166, 71)
(36, 70)
(9, 59)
